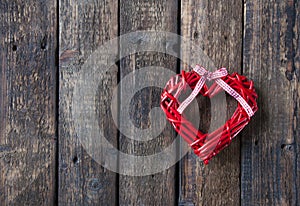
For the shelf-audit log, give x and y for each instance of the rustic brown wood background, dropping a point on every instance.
(43, 45)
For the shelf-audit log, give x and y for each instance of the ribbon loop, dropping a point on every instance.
(216, 76)
(210, 75)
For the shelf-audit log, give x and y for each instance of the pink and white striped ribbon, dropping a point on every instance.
(207, 75)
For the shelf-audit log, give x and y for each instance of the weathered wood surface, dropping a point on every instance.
(270, 147)
(216, 28)
(156, 189)
(27, 102)
(257, 38)
(84, 26)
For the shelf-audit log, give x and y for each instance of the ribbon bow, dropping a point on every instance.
(207, 75)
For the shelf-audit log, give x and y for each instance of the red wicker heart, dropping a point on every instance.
(207, 146)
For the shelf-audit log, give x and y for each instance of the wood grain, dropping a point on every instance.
(155, 189)
(214, 28)
(84, 27)
(270, 147)
(27, 102)
(260, 167)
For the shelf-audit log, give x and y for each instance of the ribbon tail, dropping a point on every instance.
(236, 95)
(192, 96)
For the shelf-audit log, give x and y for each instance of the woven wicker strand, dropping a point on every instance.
(207, 146)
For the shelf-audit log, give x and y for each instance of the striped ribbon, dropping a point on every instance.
(216, 76)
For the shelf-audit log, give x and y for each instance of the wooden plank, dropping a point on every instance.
(27, 102)
(159, 188)
(84, 27)
(215, 27)
(270, 148)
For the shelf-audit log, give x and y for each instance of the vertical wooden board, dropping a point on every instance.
(84, 27)
(270, 148)
(159, 188)
(215, 27)
(27, 102)
(296, 100)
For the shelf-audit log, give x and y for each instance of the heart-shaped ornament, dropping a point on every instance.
(204, 145)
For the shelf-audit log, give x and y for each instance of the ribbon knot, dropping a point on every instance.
(210, 75)
(216, 75)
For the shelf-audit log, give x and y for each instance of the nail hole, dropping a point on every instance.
(225, 37)
(75, 160)
(283, 61)
(256, 142)
(288, 147)
(44, 43)
(289, 75)
(14, 47)
(196, 35)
